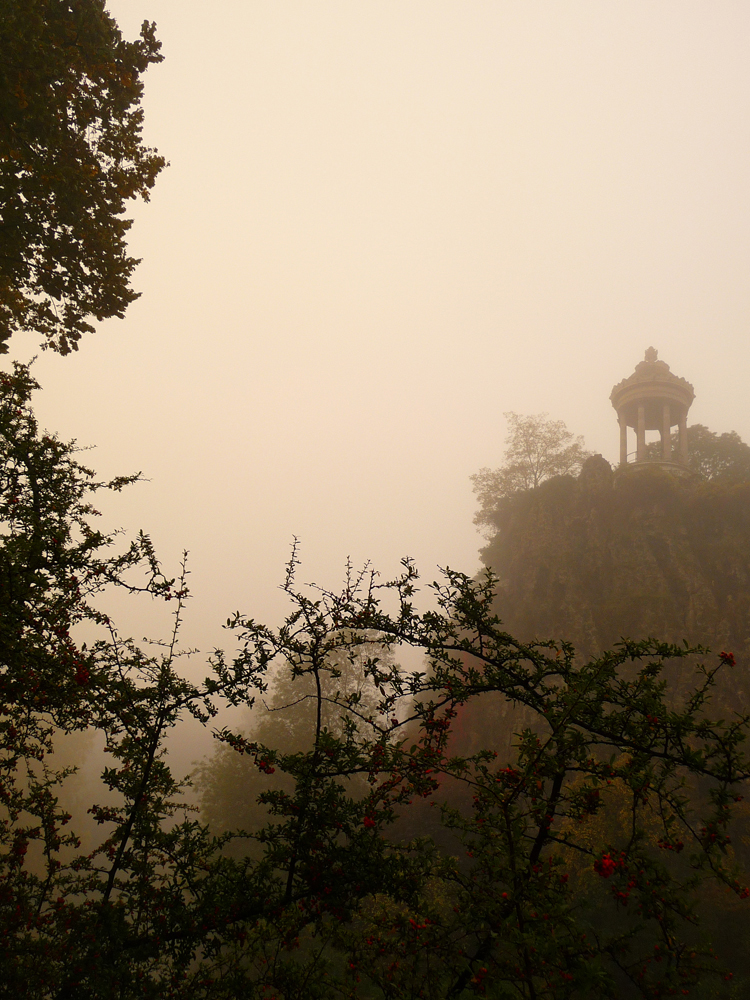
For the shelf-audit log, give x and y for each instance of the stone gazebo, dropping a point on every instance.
(653, 399)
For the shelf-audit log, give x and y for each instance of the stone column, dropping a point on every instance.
(623, 440)
(641, 434)
(682, 425)
(666, 435)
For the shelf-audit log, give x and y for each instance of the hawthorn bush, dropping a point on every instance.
(570, 868)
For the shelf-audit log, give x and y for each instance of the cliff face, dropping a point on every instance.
(637, 554)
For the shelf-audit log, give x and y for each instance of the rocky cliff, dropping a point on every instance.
(636, 553)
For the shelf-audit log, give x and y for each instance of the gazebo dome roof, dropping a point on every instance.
(652, 380)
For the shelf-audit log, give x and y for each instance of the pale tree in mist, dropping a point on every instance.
(537, 449)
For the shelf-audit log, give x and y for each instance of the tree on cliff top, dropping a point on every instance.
(718, 456)
(713, 456)
(538, 449)
(71, 156)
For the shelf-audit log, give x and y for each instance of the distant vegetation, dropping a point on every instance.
(714, 456)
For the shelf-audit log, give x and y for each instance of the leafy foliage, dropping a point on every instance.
(718, 456)
(71, 156)
(713, 456)
(579, 857)
(538, 449)
(67, 915)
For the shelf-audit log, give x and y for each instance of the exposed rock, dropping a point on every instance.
(632, 554)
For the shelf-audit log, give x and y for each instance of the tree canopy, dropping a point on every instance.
(71, 156)
(718, 456)
(537, 449)
(714, 457)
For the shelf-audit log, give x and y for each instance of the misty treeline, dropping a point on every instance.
(355, 848)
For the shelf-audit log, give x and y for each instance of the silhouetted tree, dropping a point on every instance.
(71, 156)
(286, 719)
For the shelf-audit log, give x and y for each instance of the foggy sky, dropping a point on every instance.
(385, 223)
